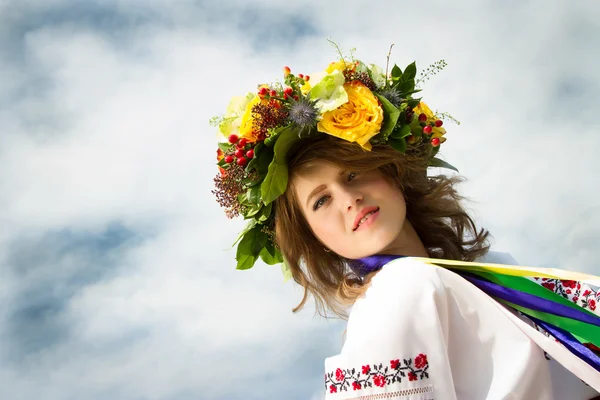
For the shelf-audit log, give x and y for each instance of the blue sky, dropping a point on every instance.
(116, 281)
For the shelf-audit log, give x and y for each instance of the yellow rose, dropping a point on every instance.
(358, 120)
(338, 65)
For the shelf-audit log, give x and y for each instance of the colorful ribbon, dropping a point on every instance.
(576, 328)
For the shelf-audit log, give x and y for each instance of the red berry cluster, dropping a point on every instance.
(294, 81)
(242, 153)
(287, 71)
(275, 97)
(428, 128)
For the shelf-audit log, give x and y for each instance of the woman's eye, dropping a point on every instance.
(351, 176)
(320, 202)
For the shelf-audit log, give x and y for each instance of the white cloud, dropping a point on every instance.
(103, 125)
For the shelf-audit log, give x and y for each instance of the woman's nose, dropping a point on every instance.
(351, 199)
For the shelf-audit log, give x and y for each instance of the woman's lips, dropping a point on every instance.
(369, 221)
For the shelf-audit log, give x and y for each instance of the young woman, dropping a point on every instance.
(415, 330)
(331, 171)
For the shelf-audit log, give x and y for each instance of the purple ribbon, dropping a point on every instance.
(366, 265)
(571, 343)
(531, 301)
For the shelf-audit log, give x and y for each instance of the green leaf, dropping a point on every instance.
(274, 135)
(265, 213)
(253, 195)
(249, 182)
(253, 211)
(266, 156)
(245, 256)
(222, 163)
(225, 146)
(396, 72)
(250, 246)
(252, 164)
(407, 87)
(406, 94)
(245, 261)
(248, 227)
(261, 240)
(436, 162)
(270, 255)
(391, 114)
(403, 132)
(416, 129)
(410, 72)
(257, 149)
(276, 180)
(398, 144)
(287, 274)
(412, 103)
(241, 198)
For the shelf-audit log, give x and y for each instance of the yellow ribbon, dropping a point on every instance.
(551, 273)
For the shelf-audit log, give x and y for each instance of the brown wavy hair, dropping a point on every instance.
(433, 206)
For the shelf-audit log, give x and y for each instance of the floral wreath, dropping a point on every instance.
(350, 100)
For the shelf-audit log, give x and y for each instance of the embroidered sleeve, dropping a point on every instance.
(357, 379)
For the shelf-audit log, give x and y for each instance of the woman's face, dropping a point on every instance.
(354, 215)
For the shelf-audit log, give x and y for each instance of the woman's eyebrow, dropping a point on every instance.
(314, 192)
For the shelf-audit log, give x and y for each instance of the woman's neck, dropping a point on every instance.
(407, 243)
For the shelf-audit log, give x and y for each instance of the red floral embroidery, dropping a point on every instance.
(548, 285)
(420, 361)
(572, 290)
(377, 375)
(569, 284)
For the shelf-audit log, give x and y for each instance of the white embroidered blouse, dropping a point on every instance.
(424, 332)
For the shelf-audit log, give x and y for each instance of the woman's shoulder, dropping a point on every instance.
(397, 290)
(406, 275)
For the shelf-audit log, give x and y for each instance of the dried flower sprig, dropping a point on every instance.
(228, 188)
(433, 69)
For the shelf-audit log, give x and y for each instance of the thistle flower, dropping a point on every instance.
(303, 113)
(393, 96)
